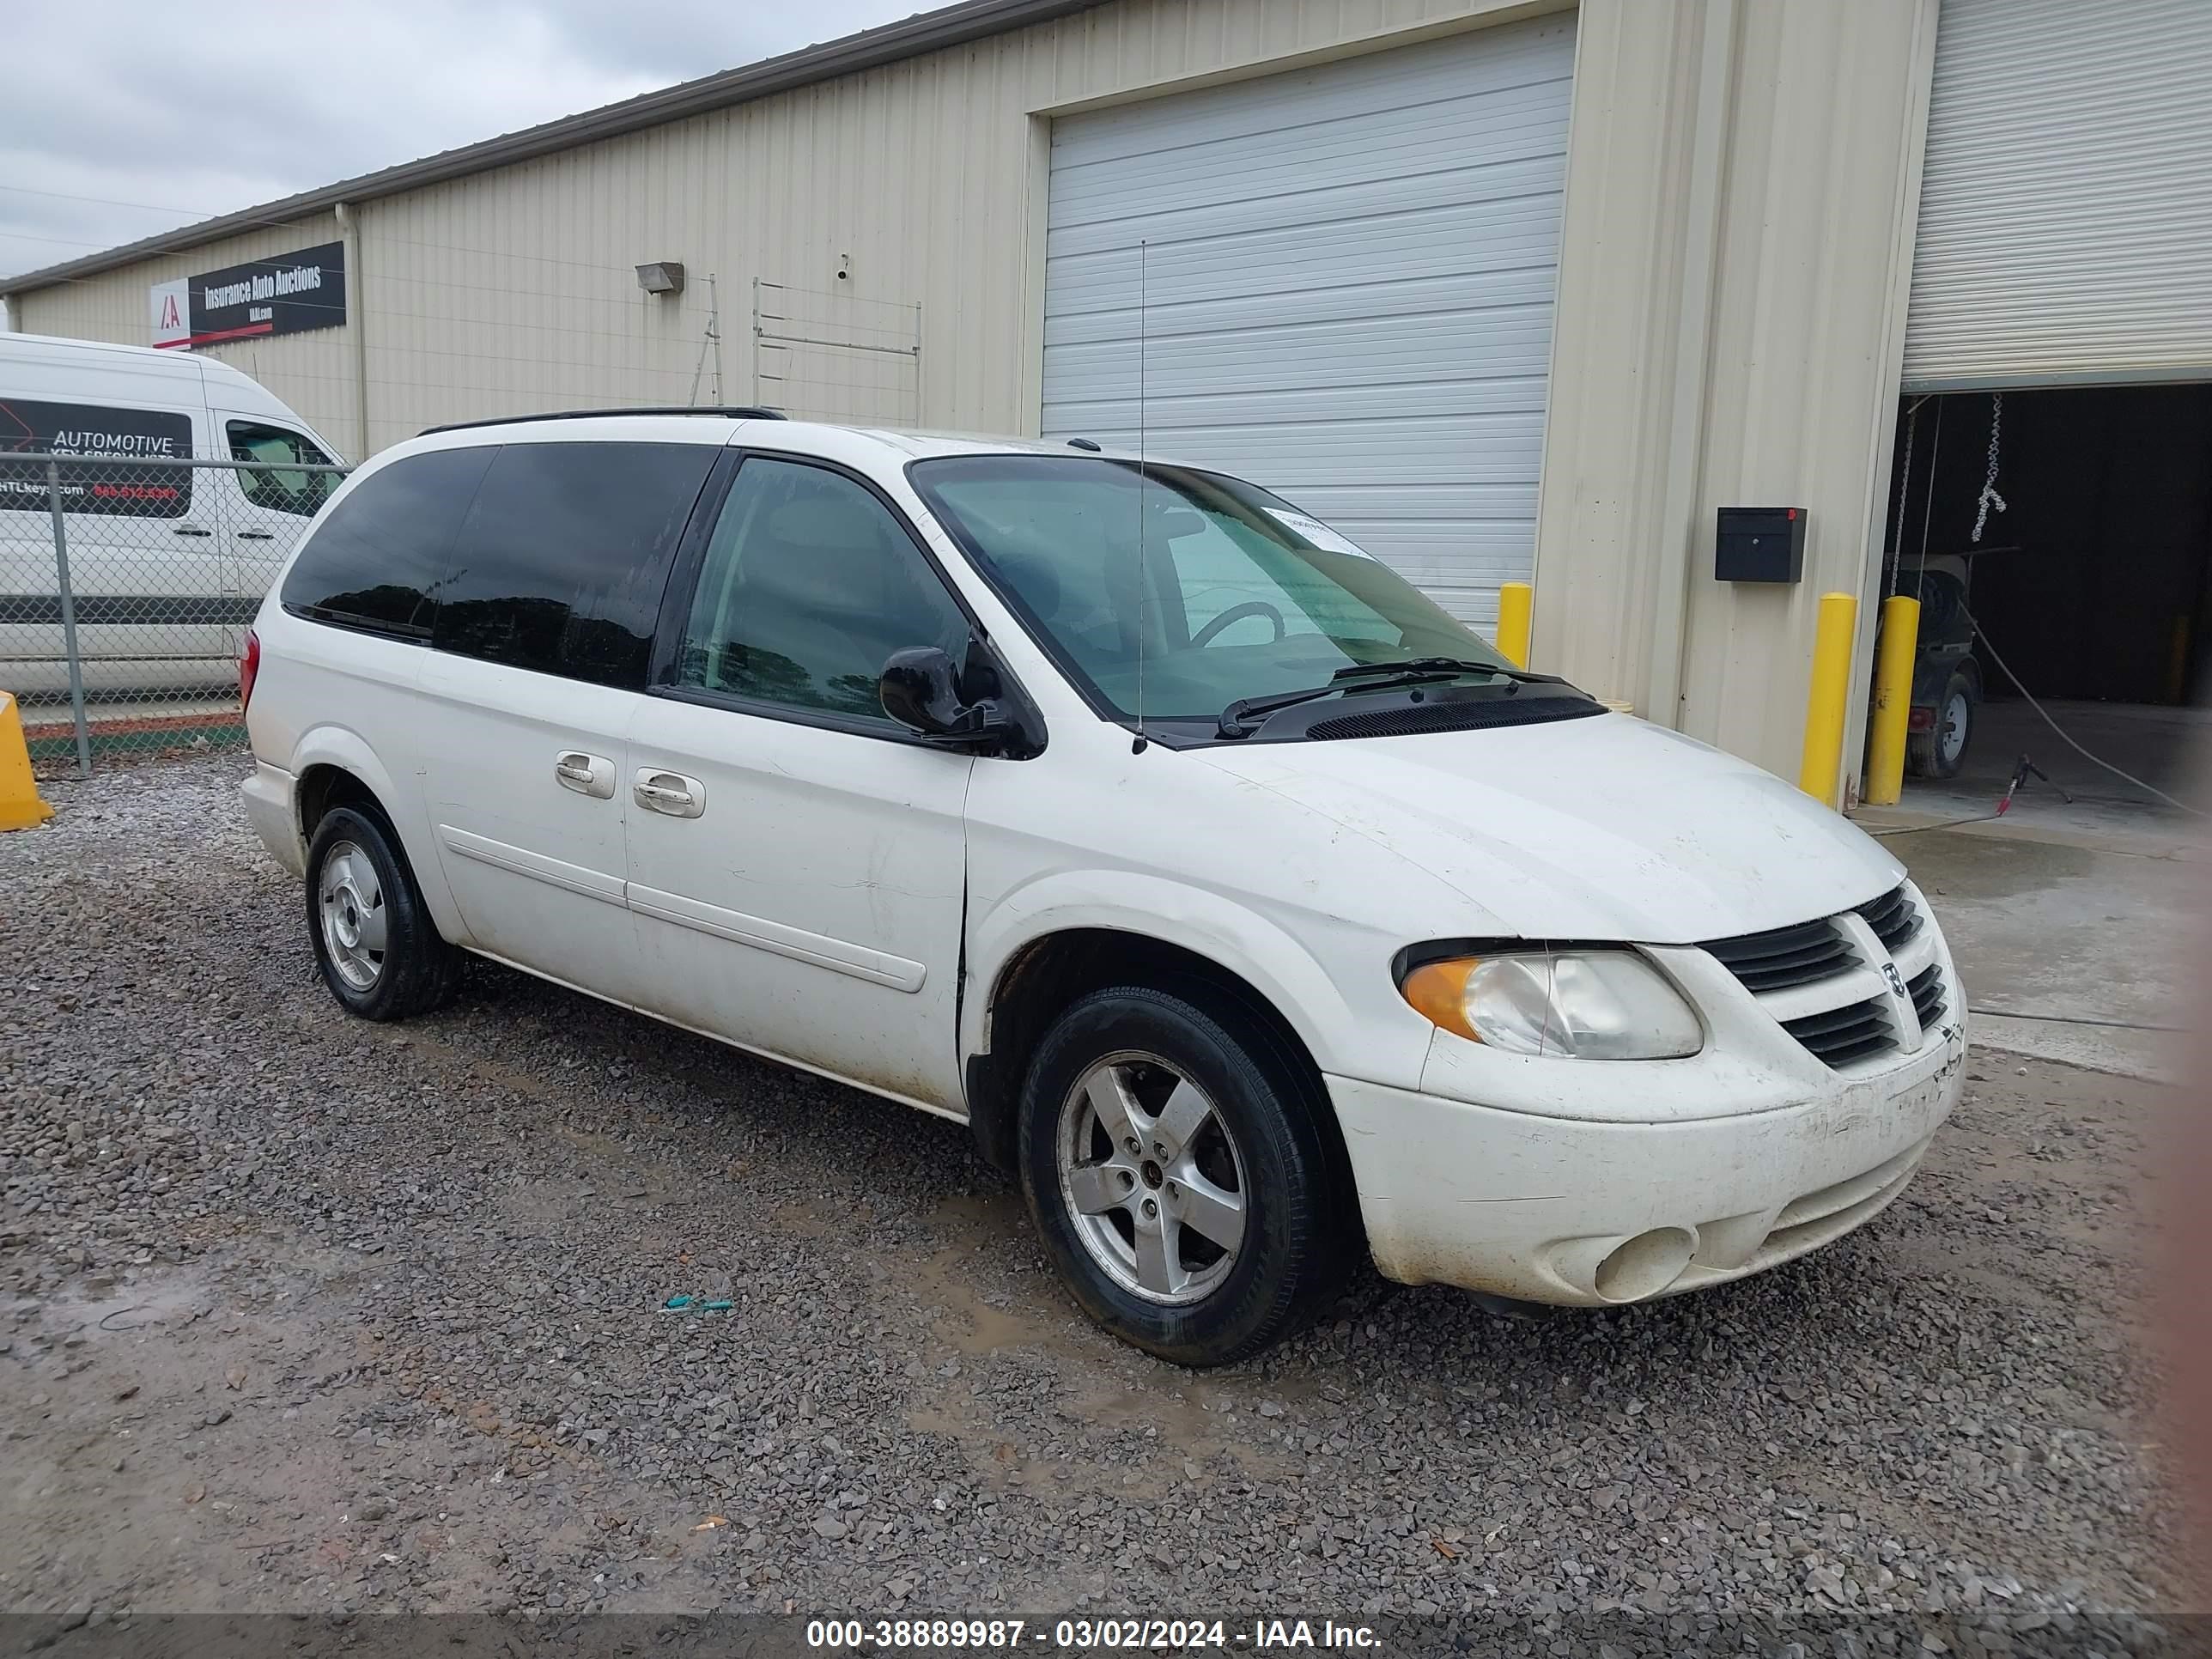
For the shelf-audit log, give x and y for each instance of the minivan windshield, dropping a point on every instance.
(1203, 589)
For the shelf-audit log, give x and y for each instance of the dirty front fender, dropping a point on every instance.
(1225, 932)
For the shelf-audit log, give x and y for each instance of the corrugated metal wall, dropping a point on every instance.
(1346, 275)
(904, 194)
(2066, 213)
(1741, 180)
(1731, 313)
(313, 373)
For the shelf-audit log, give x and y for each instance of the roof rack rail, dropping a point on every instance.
(727, 411)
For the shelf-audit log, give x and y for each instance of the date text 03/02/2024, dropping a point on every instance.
(1087, 1635)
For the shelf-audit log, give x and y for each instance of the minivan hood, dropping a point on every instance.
(1603, 827)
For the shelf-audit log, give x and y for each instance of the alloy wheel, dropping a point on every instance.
(351, 901)
(1153, 1180)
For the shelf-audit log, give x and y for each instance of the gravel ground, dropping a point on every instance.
(304, 1314)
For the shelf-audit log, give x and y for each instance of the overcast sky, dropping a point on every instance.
(118, 120)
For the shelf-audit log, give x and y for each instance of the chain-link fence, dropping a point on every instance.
(126, 587)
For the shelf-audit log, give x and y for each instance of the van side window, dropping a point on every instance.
(561, 565)
(280, 490)
(375, 560)
(808, 584)
(32, 429)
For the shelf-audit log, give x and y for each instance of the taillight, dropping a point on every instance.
(249, 664)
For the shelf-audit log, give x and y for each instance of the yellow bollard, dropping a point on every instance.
(1516, 604)
(1893, 699)
(1825, 707)
(20, 805)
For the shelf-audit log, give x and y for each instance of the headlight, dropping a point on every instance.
(1579, 1005)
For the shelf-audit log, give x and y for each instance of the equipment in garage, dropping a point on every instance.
(1946, 676)
(2087, 599)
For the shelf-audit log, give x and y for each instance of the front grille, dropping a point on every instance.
(1461, 716)
(1895, 918)
(1840, 1036)
(1927, 989)
(1783, 957)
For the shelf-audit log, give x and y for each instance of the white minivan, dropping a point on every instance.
(166, 565)
(1249, 909)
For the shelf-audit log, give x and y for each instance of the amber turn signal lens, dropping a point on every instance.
(1437, 992)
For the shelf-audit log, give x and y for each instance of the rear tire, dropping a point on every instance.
(379, 950)
(1174, 1163)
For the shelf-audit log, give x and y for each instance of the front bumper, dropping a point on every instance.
(1584, 1212)
(268, 796)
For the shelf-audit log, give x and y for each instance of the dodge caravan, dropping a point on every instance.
(1247, 907)
(167, 565)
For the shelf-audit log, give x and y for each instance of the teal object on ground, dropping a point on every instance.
(696, 1304)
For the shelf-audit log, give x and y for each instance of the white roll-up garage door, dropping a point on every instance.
(2066, 201)
(1346, 275)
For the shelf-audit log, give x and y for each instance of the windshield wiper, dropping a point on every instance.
(1443, 664)
(1243, 717)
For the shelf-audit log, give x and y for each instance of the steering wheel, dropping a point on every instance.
(1237, 613)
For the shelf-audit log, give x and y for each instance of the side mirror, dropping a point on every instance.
(919, 689)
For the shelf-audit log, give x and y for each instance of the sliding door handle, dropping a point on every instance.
(671, 794)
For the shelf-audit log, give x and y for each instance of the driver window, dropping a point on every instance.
(808, 584)
(276, 487)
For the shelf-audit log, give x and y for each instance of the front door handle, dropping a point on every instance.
(256, 536)
(669, 792)
(189, 530)
(587, 775)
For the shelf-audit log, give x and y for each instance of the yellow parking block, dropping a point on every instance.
(20, 805)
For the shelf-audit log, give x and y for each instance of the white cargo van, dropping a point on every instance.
(167, 565)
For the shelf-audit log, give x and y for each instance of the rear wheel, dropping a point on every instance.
(1174, 1162)
(379, 952)
(1940, 750)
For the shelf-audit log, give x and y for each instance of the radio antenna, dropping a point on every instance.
(1144, 571)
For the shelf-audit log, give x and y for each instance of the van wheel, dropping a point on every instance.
(1173, 1161)
(379, 950)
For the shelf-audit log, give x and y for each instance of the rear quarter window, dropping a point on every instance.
(32, 429)
(561, 563)
(375, 560)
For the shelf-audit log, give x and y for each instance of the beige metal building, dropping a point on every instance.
(1500, 288)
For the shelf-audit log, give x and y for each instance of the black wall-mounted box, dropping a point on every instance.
(1760, 544)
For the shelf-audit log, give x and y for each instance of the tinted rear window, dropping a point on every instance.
(561, 563)
(375, 559)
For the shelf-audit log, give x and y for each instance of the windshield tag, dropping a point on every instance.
(1319, 534)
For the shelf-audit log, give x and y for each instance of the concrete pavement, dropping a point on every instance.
(2071, 950)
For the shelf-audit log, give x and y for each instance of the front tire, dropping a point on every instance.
(379, 950)
(1174, 1162)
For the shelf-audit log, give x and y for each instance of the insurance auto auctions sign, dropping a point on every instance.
(289, 294)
